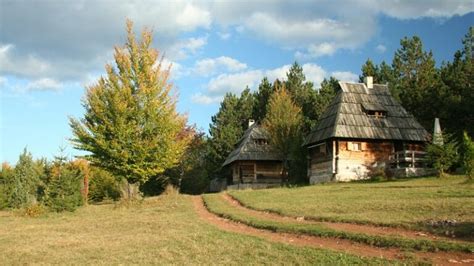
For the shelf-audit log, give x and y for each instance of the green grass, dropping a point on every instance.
(216, 204)
(163, 230)
(409, 203)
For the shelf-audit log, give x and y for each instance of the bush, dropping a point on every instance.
(443, 156)
(102, 186)
(64, 189)
(468, 155)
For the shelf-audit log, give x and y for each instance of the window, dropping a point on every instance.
(260, 141)
(377, 114)
(354, 146)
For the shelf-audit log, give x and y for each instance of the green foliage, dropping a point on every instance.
(443, 156)
(468, 155)
(262, 96)
(22, 183)
(102, 186)
(225, 130)
(417, 80)
(194, 174)
(63, 191)
(303, 95)
(283, 123)
(131, 127)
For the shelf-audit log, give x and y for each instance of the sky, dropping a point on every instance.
(51, 50)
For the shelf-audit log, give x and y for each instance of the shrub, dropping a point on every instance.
(23, 182)
(468, 155)
(443, 156)
(64, 189)
(102, 186)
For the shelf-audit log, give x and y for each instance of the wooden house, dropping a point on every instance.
(254, 160)
(365, 128)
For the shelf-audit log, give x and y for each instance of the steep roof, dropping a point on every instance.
(346, 117)
(249, 149)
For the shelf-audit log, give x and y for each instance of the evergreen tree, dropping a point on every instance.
(369, 69)
(245, 107)
(23, 183)
(303, 95)
(458, 76)
(131, 127)
(283, 123)
(225, 130)
(417, 80)
(443, 156)
(262, 96)
(64, 187)
(326, 94)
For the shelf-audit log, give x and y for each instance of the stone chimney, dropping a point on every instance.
(251, 122)
(437, 134)
(369, 82)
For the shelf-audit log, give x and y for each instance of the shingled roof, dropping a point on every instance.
(346, 117)
(249, 149)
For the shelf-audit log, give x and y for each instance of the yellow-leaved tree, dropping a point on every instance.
(130, 126)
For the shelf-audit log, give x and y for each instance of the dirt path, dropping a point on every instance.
(441, 258)
(356, 228)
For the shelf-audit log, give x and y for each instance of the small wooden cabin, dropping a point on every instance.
(365, 128)
(254, 160)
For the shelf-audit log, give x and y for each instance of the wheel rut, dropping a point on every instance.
(349, 227)
(340, 245)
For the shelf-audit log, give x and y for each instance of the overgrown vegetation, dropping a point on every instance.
(441, 205)
(443, 155)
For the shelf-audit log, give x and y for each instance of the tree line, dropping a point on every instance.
(137, 141)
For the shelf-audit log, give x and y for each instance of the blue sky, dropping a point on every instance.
(51, 50)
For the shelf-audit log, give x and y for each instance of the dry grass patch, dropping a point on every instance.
(162, 230)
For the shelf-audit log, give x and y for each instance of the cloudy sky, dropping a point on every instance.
(51, 50)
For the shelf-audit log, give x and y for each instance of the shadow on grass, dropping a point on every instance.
(450, 228)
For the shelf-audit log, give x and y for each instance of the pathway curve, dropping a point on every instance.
(341, 245)
(349, 227)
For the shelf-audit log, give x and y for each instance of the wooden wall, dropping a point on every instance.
(256, 171)
(356, 158)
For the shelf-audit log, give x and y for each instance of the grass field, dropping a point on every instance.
(217, 205)
(162, 230)
(421, 203)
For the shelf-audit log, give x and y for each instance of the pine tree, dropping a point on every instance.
(262, 96)
(283, 123)
(225, 130)
(458, 76)
(468, 155)
(303, 95)
(23, 183)
(417, 80)
(245, 107)
(369, 69)
(131, 127)
(64, 188)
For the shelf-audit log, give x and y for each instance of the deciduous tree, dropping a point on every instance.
(130, 126)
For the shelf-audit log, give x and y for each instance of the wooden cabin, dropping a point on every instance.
(254, 160)
(363, 129)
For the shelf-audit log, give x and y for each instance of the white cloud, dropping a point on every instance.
(43, 84)
(314, 73)
(204, 99)
(237, 82)
(182, 49)
(234, 83)
(419, 9)
(193, 17)
(381, 48)
(209, 66)
(345, 76)
(224, 35)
